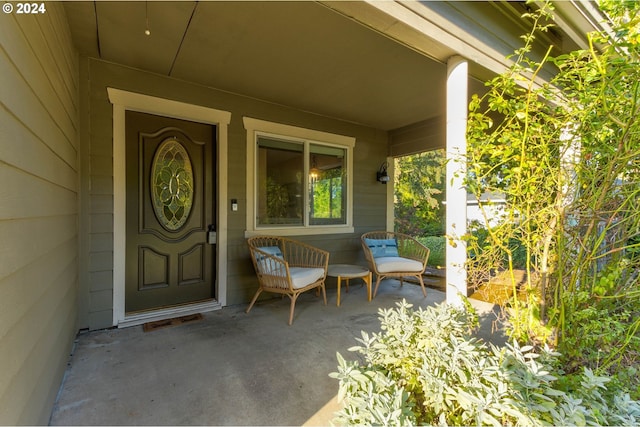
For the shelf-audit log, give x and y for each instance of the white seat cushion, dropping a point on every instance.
(302, 276)
(391, 264)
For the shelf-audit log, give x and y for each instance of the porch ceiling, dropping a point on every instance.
(299, 54)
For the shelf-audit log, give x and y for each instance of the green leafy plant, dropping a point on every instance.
(424, 367)
(418, 194)
(567, 156)
(437, 249)
(277, 200)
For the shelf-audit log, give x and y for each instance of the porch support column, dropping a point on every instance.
(456, 205)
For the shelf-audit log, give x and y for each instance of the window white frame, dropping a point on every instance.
(255, 128)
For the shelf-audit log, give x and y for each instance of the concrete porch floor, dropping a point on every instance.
(231, 368)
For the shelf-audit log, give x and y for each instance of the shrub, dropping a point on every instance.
(437, 248)
(424, 367)
(479, 242)
(606, 314)
(566, 156)
(418, 193)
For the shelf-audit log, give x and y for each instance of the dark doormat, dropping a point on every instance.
(159, 324)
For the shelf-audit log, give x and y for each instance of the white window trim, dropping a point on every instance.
(255, 127)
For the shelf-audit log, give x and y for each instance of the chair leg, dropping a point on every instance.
(378, 278)
(424, 291)
(255, 298)
(324, 293)
(293, 297)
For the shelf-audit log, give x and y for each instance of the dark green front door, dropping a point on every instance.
(170, 209)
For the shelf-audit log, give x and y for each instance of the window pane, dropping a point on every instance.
(327, 182)
(280, 172)
(172, 184)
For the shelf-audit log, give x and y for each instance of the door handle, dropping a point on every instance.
(212, 237)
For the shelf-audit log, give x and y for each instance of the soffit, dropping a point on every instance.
(377, 63)
(299, 54)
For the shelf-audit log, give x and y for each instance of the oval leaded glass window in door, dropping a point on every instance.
(171, 184)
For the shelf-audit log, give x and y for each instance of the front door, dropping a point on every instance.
(170, 211)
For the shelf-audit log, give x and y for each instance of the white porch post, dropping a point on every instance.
(456, 207)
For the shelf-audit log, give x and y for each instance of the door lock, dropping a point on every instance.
(211, 235)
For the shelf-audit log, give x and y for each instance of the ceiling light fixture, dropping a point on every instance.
(147, 32)
(314, 172)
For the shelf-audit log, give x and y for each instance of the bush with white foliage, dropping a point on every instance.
(426, 368)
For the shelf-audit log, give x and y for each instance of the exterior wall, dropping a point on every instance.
(96, 287)
(38, 211)
(418, 137)
(489, 29)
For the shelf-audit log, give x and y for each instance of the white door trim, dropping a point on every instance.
(122, 101)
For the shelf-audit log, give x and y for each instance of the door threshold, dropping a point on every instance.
(140, 318)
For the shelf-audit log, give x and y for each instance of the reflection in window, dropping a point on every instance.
(280, 182)
(283, 174)
(326, 183)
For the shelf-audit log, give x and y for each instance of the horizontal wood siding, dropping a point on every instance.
(369, 195)
(38, 211)
(419, 137)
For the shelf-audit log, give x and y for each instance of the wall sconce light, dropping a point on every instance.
(381, 175)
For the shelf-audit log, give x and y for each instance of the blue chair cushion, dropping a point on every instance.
(269, 265)
(272, 250)
(382, 247)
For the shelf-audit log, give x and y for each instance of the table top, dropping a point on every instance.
(347, 270)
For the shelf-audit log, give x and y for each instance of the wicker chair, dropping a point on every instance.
(394, 255)
(288, 267)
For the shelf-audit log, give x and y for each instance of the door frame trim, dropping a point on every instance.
(122, 101)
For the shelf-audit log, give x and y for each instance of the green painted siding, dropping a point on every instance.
(369, 197)
(38, 211)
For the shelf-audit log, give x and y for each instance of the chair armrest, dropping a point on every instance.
(412, 249)
(298, 254)
(269, 264)
(368, 256)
